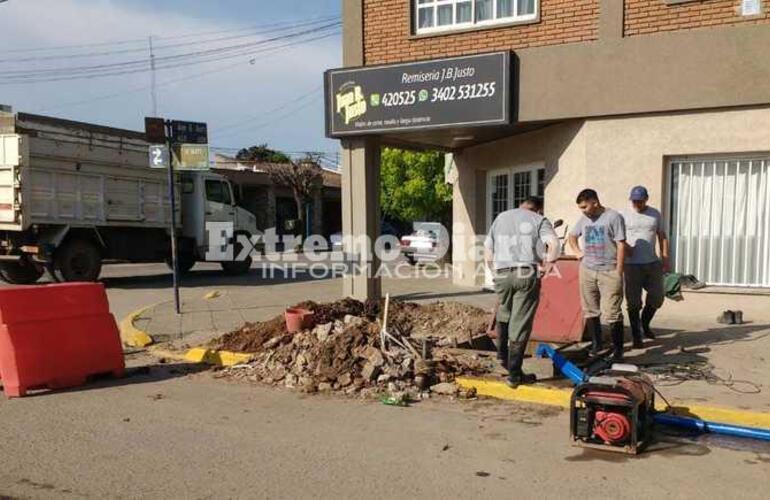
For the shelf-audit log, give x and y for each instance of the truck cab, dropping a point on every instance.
(209, 198)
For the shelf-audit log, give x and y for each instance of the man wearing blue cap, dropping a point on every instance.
(643, 268)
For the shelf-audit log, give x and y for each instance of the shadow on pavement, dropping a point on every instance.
(442, 295)
(208, 278)
(134, 375)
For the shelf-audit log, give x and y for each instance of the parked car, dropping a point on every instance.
(386, 228)
(429, 242)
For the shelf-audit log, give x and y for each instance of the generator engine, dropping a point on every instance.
(613, 411)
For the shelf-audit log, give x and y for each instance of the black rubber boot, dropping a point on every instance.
(502, 343)
(636, 328)
(647, 314)
(617, 341)
(594, 328)
(516, 376)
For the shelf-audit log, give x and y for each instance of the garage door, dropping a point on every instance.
(720, 220)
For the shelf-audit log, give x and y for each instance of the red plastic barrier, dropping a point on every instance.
(56, 336)
(559, 317)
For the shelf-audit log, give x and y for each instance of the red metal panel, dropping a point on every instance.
(559, 317)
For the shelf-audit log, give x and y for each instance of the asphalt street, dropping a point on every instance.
(176, 431)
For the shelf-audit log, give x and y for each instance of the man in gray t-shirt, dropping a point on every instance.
(644, 269)
(517, 243)
(602, 256)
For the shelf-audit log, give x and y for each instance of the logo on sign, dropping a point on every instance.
(351, 103)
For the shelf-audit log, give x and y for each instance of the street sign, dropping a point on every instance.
(191, 157)
(159, 156)
(470, 91)
(155, 130)
(189, 132)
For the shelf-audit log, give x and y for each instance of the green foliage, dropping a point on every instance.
(262, 153)
(413, 186)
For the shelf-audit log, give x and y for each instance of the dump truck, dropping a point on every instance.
(73, 195)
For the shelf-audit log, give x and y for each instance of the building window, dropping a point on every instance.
(522, 187)
(499, 195)
(444, 15)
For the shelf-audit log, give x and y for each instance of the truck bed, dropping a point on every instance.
(61, 172)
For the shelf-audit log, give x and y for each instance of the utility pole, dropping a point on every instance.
(154, 86)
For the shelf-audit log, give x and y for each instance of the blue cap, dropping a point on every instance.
(639, 193)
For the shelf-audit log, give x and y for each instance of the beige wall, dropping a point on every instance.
(610, 155)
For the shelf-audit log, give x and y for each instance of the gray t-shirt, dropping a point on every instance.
(600, 238)
(517, 238)
(642, 230)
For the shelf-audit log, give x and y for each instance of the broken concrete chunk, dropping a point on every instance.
(324, 387)
(445, 389)
(370, 372)
(374, 356)
(344, 380)
(322, 332)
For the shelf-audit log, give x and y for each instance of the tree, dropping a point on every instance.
(303, 177)
(262, 154)
(413, 186)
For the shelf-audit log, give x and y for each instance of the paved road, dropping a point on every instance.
(190, 436)
(177, 433)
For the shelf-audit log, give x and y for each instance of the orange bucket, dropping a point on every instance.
(298, 319)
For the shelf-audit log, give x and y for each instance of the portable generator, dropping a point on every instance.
(614, 411)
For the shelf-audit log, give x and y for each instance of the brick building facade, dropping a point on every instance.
(609, 94)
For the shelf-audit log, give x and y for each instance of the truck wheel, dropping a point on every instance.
(237, 267)
(77, 260)
(23, 272)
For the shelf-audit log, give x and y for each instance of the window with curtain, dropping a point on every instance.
(720, 220)
(443, 15)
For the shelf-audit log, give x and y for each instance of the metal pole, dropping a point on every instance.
(154, 90)
(172, 198)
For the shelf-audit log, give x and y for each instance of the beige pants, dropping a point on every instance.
(601, 293)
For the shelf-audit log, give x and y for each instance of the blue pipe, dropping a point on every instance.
(577, 376)
(694, 424)
(572, 372)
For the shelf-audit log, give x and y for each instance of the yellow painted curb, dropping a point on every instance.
(131, 335)
(561, 397)
(524, 393)
(218, 358)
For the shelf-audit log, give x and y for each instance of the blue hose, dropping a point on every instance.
(694, 424)
(577, 376)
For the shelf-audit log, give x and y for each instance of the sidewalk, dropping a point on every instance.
(689, 338)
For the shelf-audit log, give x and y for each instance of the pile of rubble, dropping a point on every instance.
(347, 352)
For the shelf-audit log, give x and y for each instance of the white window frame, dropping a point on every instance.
(434, 5)
(533, 168)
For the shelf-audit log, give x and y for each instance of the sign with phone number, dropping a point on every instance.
(462, 91)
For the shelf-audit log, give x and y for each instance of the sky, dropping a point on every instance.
(263, 93)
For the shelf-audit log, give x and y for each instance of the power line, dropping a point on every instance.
(142, 40)
(59, 57)
(184, 60)
(99, 68)
(265, 54)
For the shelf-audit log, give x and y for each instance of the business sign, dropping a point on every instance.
(159, 156)
(189, 132)
(454, 92)
(191, 157)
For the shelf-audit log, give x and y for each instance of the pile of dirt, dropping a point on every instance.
(344, 352)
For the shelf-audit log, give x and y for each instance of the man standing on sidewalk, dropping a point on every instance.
(601, 269)
(644, 270)
(513, 249)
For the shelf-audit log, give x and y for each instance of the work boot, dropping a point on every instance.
(647, 314)
(617, 341)
(502, 343)
(516, 376)
(594, 327)
(636, 328)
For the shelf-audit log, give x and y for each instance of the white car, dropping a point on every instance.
(429, 242)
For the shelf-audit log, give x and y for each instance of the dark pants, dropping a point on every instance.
(519, 294)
